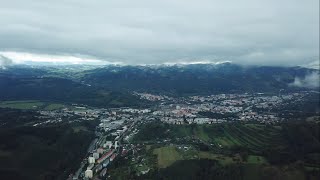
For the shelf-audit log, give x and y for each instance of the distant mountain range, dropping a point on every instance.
(111, 85)
(202, 78)
(26, 83)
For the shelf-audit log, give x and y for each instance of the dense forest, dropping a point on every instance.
(40, 153)
(62, 90)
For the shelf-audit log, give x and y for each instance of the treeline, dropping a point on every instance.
(199, 169)
(204, 169)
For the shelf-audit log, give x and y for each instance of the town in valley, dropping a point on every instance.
(117, 127)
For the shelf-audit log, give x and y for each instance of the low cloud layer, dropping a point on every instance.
(259, 32)
(311, 81)
(4, 61)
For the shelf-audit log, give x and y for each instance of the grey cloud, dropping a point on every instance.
(309, 81)
(267, 32)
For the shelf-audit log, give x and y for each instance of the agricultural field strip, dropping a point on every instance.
(251, 140)
(265, 136)
(230, 137)
(31, 104)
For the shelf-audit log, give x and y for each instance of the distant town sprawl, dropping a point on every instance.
(118, 125)
(221, 107)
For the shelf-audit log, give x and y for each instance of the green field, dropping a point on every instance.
(255, 136)
(256, 160)
(54, 106)
(249, 144)
(242, 150)
(200, 132)
(166, 156)
(21, 104)
(31, 105)
(169, 154)
(252, 136)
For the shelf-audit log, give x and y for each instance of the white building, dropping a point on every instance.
(88, 174)
(91, 160)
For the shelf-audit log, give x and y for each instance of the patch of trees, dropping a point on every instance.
(200, 169)
(12, 117)
(153, 131)
(302, 144)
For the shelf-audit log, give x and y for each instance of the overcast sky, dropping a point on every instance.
(259, 32)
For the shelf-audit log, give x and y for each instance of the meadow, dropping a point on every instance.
(31, 105)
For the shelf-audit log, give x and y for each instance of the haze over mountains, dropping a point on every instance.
(113, 85)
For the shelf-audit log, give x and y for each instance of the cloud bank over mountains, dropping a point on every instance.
(312, 81)
(258, 32)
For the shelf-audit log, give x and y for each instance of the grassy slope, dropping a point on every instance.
(261, 143)
(166, 156)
